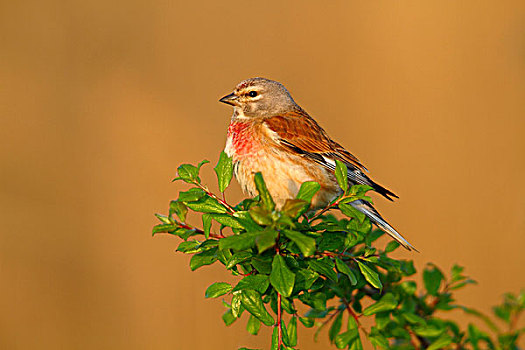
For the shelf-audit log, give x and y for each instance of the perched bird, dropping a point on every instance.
(271, 134)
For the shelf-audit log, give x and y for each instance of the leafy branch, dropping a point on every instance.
(287, 260)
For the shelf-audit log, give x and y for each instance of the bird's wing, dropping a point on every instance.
(300, 133)
(298, 130)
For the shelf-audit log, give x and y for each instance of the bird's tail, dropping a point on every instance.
(367, 209)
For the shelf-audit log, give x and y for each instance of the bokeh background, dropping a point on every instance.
(101, 100)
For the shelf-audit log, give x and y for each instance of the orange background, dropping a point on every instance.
(101, 100)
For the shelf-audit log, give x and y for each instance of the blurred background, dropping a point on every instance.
(101, 101)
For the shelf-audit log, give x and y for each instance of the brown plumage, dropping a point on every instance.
(271, 134)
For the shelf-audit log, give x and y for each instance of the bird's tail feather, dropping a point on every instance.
(367, 209)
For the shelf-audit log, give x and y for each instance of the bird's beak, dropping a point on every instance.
(230, 99)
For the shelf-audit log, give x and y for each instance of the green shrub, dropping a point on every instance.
(290, 257)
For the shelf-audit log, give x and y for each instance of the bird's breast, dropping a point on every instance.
(243, 140)
(253, 148)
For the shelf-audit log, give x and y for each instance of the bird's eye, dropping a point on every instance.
(252, 93)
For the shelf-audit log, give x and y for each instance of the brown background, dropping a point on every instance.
(100, 101)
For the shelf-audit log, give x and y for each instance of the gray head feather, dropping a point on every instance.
(260, 97)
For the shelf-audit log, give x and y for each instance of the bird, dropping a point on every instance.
(271, 134)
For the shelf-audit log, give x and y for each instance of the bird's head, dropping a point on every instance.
(260, 97)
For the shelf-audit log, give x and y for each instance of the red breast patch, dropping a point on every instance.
(242, 137)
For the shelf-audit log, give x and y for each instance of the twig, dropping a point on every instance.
(211, 194)
(412, 340)
(247, 274)
(355, 317)
(330, 206)
(198, 230)
(330, 318)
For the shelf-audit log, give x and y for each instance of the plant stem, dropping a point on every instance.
(279, 318)
(355, 317)
(413, 336)
(198, 230)
(330, 206)
(211, 194)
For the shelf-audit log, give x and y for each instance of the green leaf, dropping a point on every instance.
(391, 246)
(308, 190)
(382, 320)
(239, 242)
(227, 220)
(266, 239)
(432, 278)
(475, 335)
(457, 273)
(343, 339)
(206, 224)
(191, 195)
(316, 300)
(429, 330)
(373, 236)
(379, 340)
(238, 258)
(345, 269)
(252, 302)
(207, 205)
(163, 228)
(266, 198)
(188, 173)
(253, 326)
(335, 328)
(308, 322)
(164, 219)
(284, 333)
(180, 209)
(254, 282)
(441, 342)
(386, 303)
(244, 218)
(282, 278)
(189, 247)
(237, 307)
(183, 233)
(292, 331)
(409, 287)
(224, 171)
(413, 318)
(361, 227)
(207, 257)
(263, 264)
(370, 275)
(462, 284)
(275, 339)
(202, 162)
(217, 289)
(356, 343)
(502, 312)
(325, 266)
(332, 242)
(288, 306)
(306, 244)
(304, 278)
(359, 191)
(341, 175)
(261, 215)
(294, 207)
(228, 318)
(351, 212)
